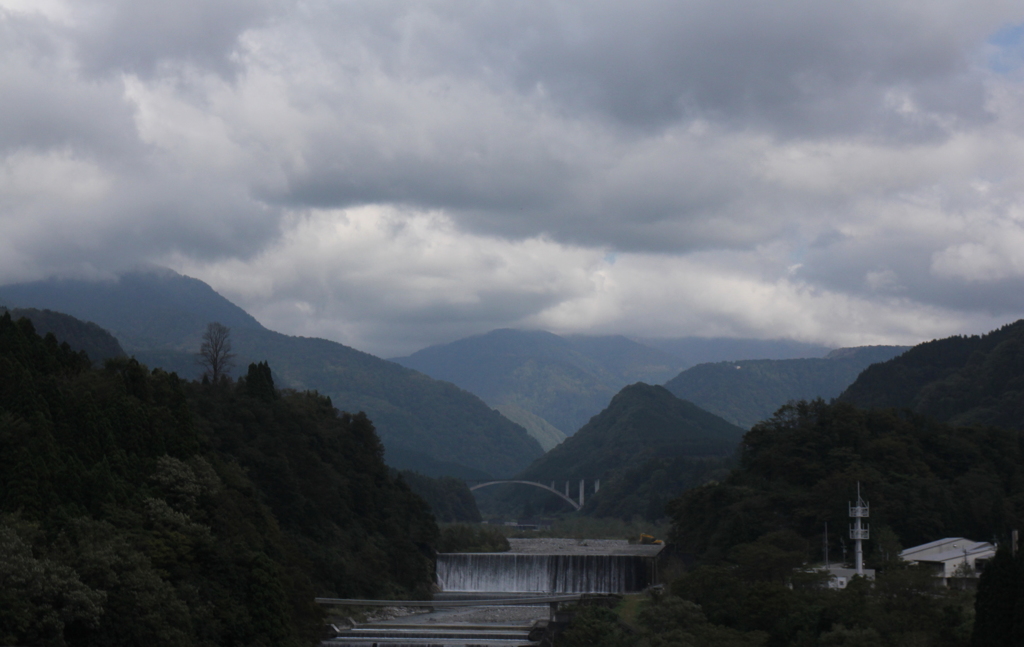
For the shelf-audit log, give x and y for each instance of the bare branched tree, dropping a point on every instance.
(215, 354)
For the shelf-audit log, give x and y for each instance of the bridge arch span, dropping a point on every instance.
(575, 505)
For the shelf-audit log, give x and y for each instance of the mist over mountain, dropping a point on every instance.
(963, 380)
(540, 379)
(159, 316)
(745, 392)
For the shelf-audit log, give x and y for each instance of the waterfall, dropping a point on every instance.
(522, 573)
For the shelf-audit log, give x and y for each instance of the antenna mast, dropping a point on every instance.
(859, 532)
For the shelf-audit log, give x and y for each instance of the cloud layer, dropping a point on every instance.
(397, 174)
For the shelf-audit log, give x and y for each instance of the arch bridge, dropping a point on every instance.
(565, 497)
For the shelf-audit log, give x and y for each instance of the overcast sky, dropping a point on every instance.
(395, 174)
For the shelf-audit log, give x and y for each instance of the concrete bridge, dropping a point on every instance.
(565, 497)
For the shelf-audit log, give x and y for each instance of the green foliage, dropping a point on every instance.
(38, 596)
(594, 626)
(449, 498)
(998, 604)
(141, 509)
(745, 392)
(902, 607)
(961, 380)
(800, 468)
(472, 538)
(663, 621)
(259, 383)
(82, 336)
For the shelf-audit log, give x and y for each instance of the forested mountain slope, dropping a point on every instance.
(924, 480)
(646, 447)
(159, 316)
(747, 391)
(538, 378)
(962, 380)
(136, 508)
(97, 343)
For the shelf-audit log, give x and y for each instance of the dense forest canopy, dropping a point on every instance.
(924, 479)
(963, 380)
(136, 508)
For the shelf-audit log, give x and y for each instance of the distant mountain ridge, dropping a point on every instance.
(705, 350)
(160, 317)
(563, 381)
(745, 392)
(962, 380)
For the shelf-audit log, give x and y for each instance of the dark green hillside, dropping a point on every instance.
(449, 498)
(747, 391)
(162, 316)
(924, 480)
(646, 447)
(97, 343)
(961, 380)
(410, 410)
(562, 381)
(136, 508)
(641, 422)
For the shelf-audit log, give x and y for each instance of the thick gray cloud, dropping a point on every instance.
(118, 36)
(392, 174)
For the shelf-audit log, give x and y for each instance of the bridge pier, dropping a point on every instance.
(582, 491)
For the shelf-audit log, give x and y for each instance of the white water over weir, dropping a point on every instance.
(545, 566)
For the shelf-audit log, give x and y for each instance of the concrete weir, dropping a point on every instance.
(507, 599)
(552, 566)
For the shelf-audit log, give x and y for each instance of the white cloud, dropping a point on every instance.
(392, 174)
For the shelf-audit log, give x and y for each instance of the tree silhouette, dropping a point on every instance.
(215, 353)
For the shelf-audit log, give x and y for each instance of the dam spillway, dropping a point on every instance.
(552, 566)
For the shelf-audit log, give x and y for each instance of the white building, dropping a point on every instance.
(952, 557)
(840, 576)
